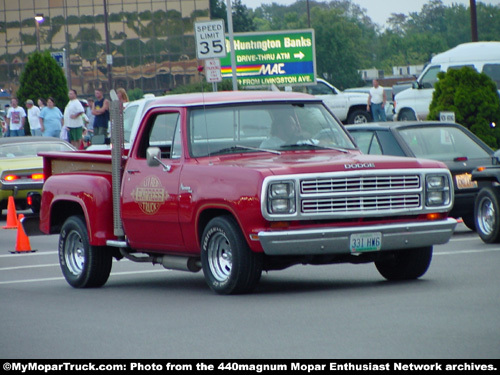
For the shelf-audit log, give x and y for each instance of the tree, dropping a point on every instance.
(242, 20)
(473, 97)
(42, 77)
(339, 48)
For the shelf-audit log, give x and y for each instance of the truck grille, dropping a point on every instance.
(359, 183)
(358, 194)
(356, 204)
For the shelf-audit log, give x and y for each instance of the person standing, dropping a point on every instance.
(42, 103)
(100, 110)
(16, 117)
(122, 96)
(34, 118)
(73, 120)
(51, 119)
(376, 102)
(89, 133)
(5, 127)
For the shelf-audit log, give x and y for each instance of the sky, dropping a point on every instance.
(378, 10)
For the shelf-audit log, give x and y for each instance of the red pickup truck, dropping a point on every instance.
(235, 183)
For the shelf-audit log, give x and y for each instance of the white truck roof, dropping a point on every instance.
(476, 51)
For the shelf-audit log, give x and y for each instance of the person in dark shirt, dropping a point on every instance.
(100, 109)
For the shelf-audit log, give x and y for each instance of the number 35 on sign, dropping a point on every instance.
(210, 39)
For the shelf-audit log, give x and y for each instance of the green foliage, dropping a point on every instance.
(42, 77)
(135, 94)
(242, 20)
(473, 97)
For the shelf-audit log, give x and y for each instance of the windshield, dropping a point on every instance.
(30, 149)
(442, 143)
(264, 127)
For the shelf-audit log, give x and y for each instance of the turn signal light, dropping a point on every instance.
(435, 216)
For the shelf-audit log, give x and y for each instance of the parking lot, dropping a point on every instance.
(337, 311)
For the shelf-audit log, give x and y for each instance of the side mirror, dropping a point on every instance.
(415, 85)
(153, 156)
(495, 159)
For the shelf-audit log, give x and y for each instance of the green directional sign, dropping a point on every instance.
(280, 58)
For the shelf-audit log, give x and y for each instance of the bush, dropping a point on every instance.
(473, 97)
(42, 77)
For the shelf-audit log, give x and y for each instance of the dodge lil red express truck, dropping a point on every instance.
(236, 183)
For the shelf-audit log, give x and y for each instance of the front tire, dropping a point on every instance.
(406, 264)
(359, 117)
(487, 215)
(83, 265)
(229, 266)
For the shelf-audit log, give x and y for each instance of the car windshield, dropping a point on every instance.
(30, 149)
(264, 127)
(442, 143)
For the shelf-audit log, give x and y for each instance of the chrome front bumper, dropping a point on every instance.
(337, 240)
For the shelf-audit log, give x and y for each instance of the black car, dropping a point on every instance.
(450, 143)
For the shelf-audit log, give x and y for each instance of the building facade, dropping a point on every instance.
(150, 43)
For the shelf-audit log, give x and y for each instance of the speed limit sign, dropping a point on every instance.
(210, 39)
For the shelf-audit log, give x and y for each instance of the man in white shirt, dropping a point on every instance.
(34, 118)
(376, 102)
(15, 119)
(73, 120)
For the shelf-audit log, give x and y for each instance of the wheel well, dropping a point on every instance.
(208, 215)
(60, 211)
(357, 107)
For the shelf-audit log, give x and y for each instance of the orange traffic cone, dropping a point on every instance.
(11, 214)
(22, 241)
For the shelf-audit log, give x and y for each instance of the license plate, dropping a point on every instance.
(363, 242)
(464, 181)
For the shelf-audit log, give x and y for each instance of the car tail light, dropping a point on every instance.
(37, 176)
(10, 177)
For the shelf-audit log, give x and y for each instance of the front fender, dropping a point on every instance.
(89, 195)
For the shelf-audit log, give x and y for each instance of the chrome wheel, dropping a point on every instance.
(229, 266)
(83, 265)
(74, 253)
(220, 257)
(486, 216)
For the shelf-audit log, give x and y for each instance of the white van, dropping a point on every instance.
(413, 103)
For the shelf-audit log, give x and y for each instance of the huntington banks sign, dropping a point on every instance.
(280, 58)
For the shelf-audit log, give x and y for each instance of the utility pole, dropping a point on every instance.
(109, 57)
(473, 21)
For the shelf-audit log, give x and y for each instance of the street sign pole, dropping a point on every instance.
(231, 43)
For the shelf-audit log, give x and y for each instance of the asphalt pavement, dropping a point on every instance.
(336, 311)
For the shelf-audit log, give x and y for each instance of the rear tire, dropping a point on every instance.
(83, 265)
(229, 266)
(487, 215)
(406, 264)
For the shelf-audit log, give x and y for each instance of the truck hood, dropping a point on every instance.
(321, 162)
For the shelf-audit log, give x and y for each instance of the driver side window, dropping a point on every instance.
(161, 132)
(430, 77)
